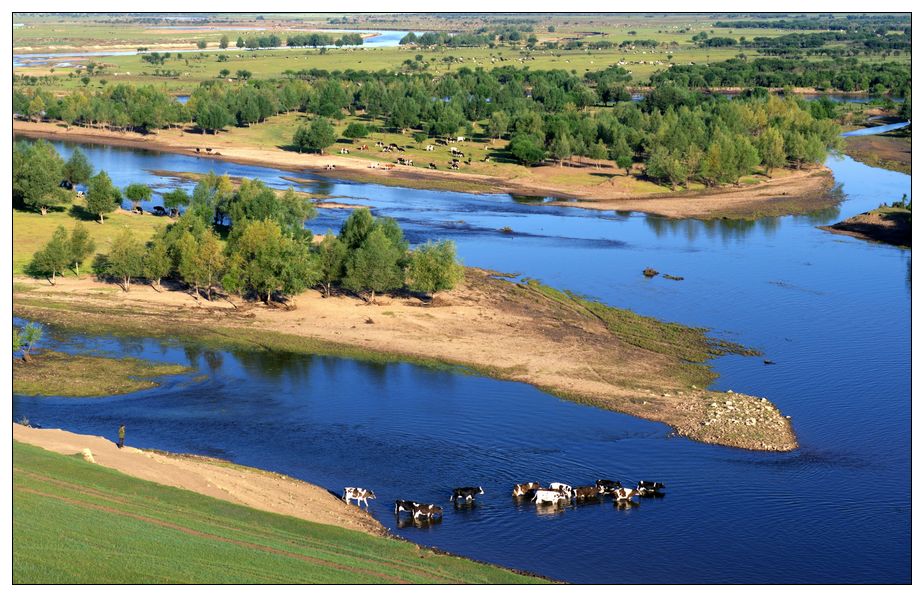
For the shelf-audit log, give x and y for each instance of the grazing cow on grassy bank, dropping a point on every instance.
(465, 494)
(359, 494)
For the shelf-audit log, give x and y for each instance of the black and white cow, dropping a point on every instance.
(550, 496)
(564, 488)
(650, 488)
(359, 494)
(465, 494)
(427, 511)
(607, 486)
(624, 494)
(404, 506)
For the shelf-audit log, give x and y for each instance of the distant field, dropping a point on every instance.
(48, 34)
(75, 522)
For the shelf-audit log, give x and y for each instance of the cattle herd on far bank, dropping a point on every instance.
(555, 495)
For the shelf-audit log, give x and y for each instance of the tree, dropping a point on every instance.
(666, 165)
(51, 259)
(356, 228)
(77, 169)
(102, 196)
(317, 136)
(332, 253)
(125, 259)
(157, 262)
(526, 149)
(498, 123)
(175, 199)
(37, 174)
(201, 261)
(373, 267)
(25, 340)
(211, 116)
(137, 192)
(265, 261)
(81, 246)
(240, 42)
(355, 130)
(771, 149)
(223, 42)
(201, 44)
(433, 267)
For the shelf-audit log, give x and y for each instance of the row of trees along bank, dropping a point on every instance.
(264, 252)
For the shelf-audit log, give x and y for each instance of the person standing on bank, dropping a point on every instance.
(121, 435)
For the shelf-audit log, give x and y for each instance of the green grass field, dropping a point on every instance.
(31, 230)
(75, 522)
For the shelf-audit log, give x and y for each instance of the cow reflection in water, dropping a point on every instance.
(420, 523)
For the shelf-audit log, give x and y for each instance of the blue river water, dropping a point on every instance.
(832, 312)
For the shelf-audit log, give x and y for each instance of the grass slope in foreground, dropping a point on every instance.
(75, 522)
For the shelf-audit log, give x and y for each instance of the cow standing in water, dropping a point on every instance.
(650, 488)
(524, 489)
(465, 494)
(404, 506)
(359, 494)
(428, 511)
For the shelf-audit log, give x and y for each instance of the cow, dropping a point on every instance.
(430, 148)
(330, 167)
(562, 487)
(359, 494)
(466, 494)
(373, 165)
(404, 506)
(521, 489)
(623, 494)
(157, 210)
(649, 488)
(549, 496)
(344, 151)
(198, 150)
(138, 210)
(586, 492)
(80, 194)
(432, 166)
(426, 511)
(607, 486)
(460, 139)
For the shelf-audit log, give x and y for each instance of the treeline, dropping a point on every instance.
(544, 114)
(848, 75)
(875, 23)
(299, 40)
(267, 253)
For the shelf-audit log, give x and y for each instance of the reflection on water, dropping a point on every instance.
(832, 312)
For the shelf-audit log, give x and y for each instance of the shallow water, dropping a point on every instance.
(832, 312)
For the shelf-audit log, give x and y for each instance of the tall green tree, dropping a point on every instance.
(175, 199)
(266, 261)
(138, 192)
(102, 196)
(433, 267)
(772, 149)
(37, 174)
(53, 258)
(374, 266)
(81, 246)
(223, 42)
(157, 261)
(77, 169)
(332, 254)
(125, 259)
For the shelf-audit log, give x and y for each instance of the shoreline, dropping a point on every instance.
(497, 328)
(890, 226)
(790, 192)
(220, 479)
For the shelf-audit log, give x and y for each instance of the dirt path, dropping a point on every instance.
(787, 192)
(505, 330)
(258, 489)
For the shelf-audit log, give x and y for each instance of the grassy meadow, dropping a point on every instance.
(75, 522)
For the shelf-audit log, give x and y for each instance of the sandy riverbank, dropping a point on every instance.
(885, 225)
(787, 192)
(251, 487)
(499, 328)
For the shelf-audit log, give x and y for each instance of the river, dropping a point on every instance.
(832, 312)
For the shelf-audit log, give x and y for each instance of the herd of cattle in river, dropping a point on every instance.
(556, 494)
